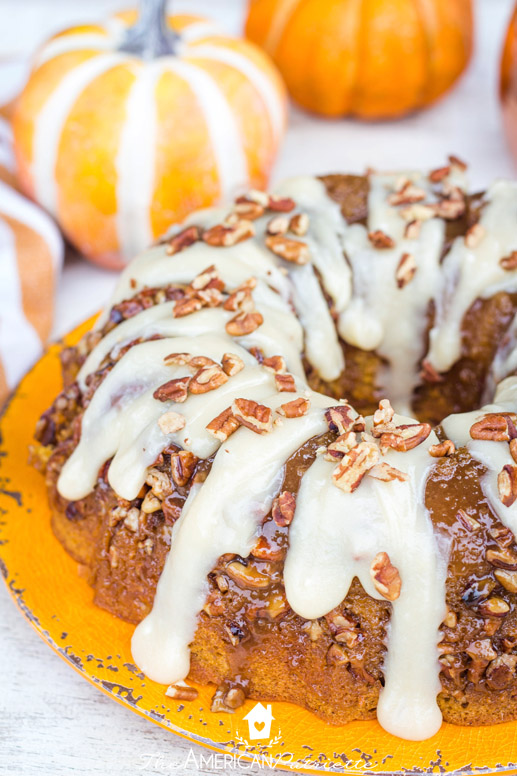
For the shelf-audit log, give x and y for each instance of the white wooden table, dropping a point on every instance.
(51, 720)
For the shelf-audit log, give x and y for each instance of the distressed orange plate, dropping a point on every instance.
(44, 583)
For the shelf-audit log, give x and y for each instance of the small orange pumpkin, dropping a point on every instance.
(372, 59)
(509, 83)
(124, 128)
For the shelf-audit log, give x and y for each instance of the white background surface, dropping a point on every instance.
(51, 720)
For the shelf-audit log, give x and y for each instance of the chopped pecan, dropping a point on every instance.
(247, 577)
(283, 508)
(226, 235)
(418, 213)
(474, 236)
(132, 519)
(281, 204)
(497, 427)
(208, 378)
(384, 414)
(255, 195)
(248, 209)
(263, 549)
(291, 250)
(437, 175)
(183, 464)
(275, 364)
(285, 383)
(299, 224)
(468, 522)
(278, 225)
(380, 239)
(174, 390)
(343, 444)
(241, 299)
(494, 607)
(429, 373)
(385, 576)
(451, 619)
(449, 209)
(406, 269)
(406, 193)
(455, 161)
(513, 449)
(507, 484)
(182, 240)
(406, 437)
(159, 483)
(412, 230)
(383, 471)
(313, 629)
(337, 655)
(181, 692)
(507, 579)
(503, 558)
(295, 408)
(236, 633)
(509, 262)
(350, 471)
(445, 448)
(501, 671)
(223, 425)
(502, 535)
(481, 649)
(187, 306)
(232, 364)
(210, 297)
(244, 323)
(177, 359)
(170, 422)
(257, 417)
(208, 278)
(197, 362)
(340, 418)
(150, 503)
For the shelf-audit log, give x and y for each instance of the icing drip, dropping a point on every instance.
(122, 417)
(335, 536)
(222, 517)
(382, 316)
(471, 273)
(280, 332)
(493, 455)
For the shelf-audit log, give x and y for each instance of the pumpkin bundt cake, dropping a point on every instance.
(275, 452)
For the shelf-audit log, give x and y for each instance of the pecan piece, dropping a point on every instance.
(226, 235)
(295, 408)
(174, 390)
(241, 299)
(182, 240)
(406, 437)
(232, 364)
(283, 508)
(468, 522)
(507, 579)
(177, 359)
(412, 230)
(449, 209)
(150, 503)
(455, 161)
(350, 471)
(342, 445)
(181, 692)
(244, 323)
(223, 425)
(159, 483)
(474, 236)
(418, 213)
(208, 278)
(385, 577)
(380, 239)
(429, 373)
(183, 464)
(285, 383)
(386, 473)
(507, 484)
(293, 251)
(495, 427)
(445, 448)
(247, 577)
(340, 418)
(170, 422)
(406, 193)
(254, 416)
(437, 175)
(281, 204)
(275, 364)
(248, 209)
(384, 414)
(299, 224)
(509, 262)
(494, 607)
(513, 449)
(501, 672)
(406, 269)
(187, 306)
(502, 559)
(206, 379)
(278, 225)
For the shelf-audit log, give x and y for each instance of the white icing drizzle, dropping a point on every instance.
(222, 517)
(471, 273)
(381, 316)
(493, 455)
(335, 536)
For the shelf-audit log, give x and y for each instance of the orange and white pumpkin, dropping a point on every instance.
(124, 128)
(31, 254)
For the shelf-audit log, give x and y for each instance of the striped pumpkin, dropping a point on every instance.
(117, 147)
(374, 59)
(31, 253)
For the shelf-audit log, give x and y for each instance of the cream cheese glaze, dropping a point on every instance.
(334, 535)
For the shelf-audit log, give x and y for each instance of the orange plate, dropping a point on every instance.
(44, 583)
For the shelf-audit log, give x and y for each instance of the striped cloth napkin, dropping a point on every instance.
(31, 256)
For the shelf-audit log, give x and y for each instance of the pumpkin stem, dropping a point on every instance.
(151, 37)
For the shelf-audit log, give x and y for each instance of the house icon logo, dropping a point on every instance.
(259, 721)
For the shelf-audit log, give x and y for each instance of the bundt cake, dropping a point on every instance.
(275, 452)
